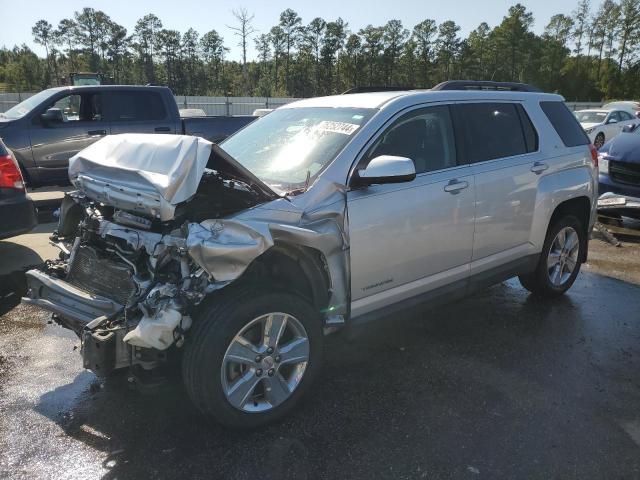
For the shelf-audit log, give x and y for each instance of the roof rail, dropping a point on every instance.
(375, 89)
(485, 85)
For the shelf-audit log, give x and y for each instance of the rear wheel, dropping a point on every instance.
(559, 262)
(252, 357)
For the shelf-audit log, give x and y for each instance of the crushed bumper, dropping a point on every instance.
(75, 307)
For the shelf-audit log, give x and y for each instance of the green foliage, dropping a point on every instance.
(589, 55)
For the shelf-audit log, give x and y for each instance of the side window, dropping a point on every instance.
(86, 107)
(424, 135)
(493, 130)
(625, 116)
(136, 106)
(565, 124)
(616, 116)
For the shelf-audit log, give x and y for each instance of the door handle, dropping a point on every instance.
(94, 133)
(539, 167)
(454, 186)
(162, 129)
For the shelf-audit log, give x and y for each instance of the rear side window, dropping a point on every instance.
(565, 124)
(137, 106)
(494, 130)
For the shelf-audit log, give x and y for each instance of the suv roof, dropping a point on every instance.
(109, 87)
(381, 99)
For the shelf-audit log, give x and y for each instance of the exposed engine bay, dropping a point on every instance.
(140, 279)
(136, 262)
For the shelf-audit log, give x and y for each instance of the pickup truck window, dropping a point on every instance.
(135, 106)
(80, 108)
(288, 145)
(24, 107)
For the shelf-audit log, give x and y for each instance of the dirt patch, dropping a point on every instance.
(621, 262)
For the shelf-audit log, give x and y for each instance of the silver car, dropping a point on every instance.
(236, 259)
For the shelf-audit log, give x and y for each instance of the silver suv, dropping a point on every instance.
(236, 259)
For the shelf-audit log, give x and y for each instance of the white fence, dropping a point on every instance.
(223, 106)
(226, 106)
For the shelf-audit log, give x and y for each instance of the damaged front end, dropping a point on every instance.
(156, 225)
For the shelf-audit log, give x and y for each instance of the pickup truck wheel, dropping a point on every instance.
(559, 262)
(252, 356)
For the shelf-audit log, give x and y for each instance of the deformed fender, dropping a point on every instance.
(554, 189)
(225, 248)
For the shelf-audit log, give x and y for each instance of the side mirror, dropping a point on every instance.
(630, 128)
(386, 169)
(52, 115)
(611, 121)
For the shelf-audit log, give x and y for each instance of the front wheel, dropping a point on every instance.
(252, 357)
(599, 140)
(559, 262)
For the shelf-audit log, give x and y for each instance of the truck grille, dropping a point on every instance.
(622, 172)
(102, 276)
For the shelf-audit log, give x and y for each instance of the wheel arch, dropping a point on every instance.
(580, 207)
(571, 191)
(293, 268)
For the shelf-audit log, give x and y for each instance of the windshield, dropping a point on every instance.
(21, 109)
(591, 117)
(290, 145)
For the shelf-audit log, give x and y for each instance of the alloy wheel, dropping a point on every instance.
(563, 256)
(265, 362)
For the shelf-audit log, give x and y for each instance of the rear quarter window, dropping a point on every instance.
(565, 124)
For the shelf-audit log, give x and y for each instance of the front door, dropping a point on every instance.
(410, 238)
(54, 142)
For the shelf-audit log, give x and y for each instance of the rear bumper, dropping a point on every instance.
(18, 216)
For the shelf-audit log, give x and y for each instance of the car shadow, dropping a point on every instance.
(15, 259)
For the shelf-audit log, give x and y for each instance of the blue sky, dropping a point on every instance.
(19, 16)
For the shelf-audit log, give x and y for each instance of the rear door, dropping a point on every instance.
(138, 111)
(54, 142)
(501, 147)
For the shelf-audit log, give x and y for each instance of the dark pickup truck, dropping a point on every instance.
(47, 129)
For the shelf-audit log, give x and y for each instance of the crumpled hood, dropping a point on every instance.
(151, 173)
(624, 147)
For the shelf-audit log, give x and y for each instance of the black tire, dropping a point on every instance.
(538, 281)
(599, 140)
(212, 334)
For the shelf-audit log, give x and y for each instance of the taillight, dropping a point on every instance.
(10, 176)
(594, 155)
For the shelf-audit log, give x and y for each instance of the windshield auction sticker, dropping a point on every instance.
(337, 127)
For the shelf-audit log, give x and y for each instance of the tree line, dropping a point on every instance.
(589, 55)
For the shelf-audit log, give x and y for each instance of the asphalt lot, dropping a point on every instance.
(501, 385)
